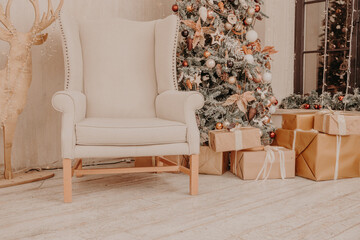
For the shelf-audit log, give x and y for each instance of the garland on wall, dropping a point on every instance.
(339, 101)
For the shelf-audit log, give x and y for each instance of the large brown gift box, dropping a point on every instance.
(212, 163)
(304, 121)
(226, 141)
(337, 123)
(248, 165)
(316, 154)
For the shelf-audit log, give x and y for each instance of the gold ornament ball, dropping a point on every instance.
(189, 8)
(219, 126)
(232, 80)
(207, 54)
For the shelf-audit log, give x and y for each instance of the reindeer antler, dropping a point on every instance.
(47, 19)
(5, 34)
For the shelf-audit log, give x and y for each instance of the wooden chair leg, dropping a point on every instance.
(194, 174)
(158, 163)
(78, 175)
(67, 171)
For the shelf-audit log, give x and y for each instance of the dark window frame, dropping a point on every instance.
(300, 47)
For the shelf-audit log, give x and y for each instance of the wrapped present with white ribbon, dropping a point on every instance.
(270, 163)
(304, 121)
(337, 122)
(234, 140)
(211, 162)
(322, 156)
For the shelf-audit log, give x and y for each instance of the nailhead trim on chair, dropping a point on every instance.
(174, 53)
(67, 57)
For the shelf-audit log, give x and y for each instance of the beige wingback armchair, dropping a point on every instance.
(121, 98)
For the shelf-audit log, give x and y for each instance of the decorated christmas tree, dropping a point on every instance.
(219, 55)
(339, 21)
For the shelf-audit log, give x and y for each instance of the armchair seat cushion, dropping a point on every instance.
(129, 132)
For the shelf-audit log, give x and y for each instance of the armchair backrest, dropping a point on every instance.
(120, 65)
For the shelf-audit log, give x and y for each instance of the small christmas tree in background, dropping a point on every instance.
(338, 37)
(220, 55)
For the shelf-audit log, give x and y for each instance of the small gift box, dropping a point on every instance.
(212, 163)
(304, 121)
(234, 140)
(321, 156)
(337, 123)
(268, 163)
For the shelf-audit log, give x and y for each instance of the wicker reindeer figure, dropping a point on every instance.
(15, 78)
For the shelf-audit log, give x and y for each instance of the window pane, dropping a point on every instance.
(314, 25)
(311, 72)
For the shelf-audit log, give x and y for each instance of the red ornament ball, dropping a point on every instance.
(272, 135)
(185, 63)
(341, 98)
(306, 106)
(317, 106)
(257, 8)
(175, 8)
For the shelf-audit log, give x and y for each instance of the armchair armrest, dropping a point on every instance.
(73, 106)
(181, 106)
(70, 102)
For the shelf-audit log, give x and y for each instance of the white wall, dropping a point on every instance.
(37, 141)
(280, 32)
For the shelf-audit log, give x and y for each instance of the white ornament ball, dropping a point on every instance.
(267, 77)
(272, 109)
(228, 26)
(249, 58)
(226, 124)
(210, 63)
(248, 20)
(203, 13)
(232, 80)
(251, 36)
(251, 11)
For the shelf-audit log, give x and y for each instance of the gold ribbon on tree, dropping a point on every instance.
(199, 37)
(242, 100)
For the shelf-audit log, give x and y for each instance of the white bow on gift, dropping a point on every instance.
(338, 117)
(269, 160)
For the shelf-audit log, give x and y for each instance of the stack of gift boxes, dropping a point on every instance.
(318, 146)
(326, 144)
(248, 159)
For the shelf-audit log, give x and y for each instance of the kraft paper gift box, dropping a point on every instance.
(270, 163)
(321, 156)
(304, 121)
(237, 139)
(337, 123)
(211, 162)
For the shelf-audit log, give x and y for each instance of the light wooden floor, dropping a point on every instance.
(157, 206)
